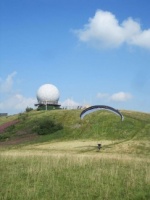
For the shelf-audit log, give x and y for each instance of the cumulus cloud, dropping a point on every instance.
(17, 103)
(12, 101)
(119, 97)
(104, 31)
(7, 84)
(102, 95)
(69, 103)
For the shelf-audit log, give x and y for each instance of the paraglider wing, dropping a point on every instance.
(99, 107)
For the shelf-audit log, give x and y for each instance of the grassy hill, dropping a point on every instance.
(54, 155)
(67, 125)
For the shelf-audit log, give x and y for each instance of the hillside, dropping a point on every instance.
(55, 155)
(62, 125)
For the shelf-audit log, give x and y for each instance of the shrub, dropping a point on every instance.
(29, 109)
(23, 116)
(46, 126)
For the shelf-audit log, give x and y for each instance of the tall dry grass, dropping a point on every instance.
(45, 176)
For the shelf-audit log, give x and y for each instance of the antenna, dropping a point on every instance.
(46, 105)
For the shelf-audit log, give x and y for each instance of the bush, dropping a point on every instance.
(29, 109)
(8, 133)
(23, 116)
(46, 126)
(4, 137)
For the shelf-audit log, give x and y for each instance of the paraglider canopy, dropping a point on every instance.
(100, 107)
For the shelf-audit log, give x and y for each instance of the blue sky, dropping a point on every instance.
(94, 52)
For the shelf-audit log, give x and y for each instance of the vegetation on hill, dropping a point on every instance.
(67, 125)
(63, 161)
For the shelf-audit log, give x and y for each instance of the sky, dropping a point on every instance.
(96, 52)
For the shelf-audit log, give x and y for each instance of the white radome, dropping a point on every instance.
(48, 94)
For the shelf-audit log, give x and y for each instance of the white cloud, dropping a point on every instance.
(104, 31)
(6, 85)
(119, 97)
(102, 95)
(17, 103)
(12, 101)
(69, 103)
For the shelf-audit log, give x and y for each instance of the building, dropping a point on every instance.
(47, 97)
(3, 114)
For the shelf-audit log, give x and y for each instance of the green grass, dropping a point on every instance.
(98, 125)
(66, 164)
(7, 119)
(73, 177)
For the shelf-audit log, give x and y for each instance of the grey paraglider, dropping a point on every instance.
(100, 107)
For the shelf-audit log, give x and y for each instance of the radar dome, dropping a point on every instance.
(48, 94)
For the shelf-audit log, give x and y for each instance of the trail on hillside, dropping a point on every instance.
(20, 137)
(7, 124)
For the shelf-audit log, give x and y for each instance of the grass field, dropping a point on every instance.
(37, 173)
(68, 165)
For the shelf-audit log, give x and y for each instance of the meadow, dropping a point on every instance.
(67, 164)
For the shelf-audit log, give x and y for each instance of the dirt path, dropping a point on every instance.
(6, 125)
(21, 137)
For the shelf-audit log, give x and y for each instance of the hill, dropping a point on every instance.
(55, 155)
(63, 125)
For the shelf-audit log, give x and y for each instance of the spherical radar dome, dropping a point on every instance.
(48, 93)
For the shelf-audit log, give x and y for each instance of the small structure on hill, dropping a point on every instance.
(3, 114)
(48, 96)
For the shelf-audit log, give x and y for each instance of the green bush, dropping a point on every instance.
(29, 109)
(46, 126)
(22, 116)
(4, 137)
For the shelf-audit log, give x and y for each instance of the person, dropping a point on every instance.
(99, 146)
